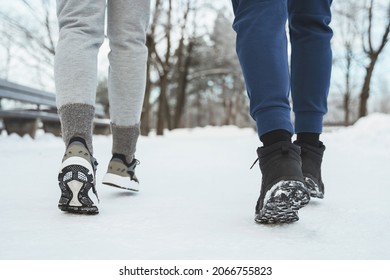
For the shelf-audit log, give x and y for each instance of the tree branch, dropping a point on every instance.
(369, 31)
(385, 37)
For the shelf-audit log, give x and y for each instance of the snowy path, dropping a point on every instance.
(197, 200)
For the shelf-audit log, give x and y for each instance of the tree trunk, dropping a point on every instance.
(182, 86)
(347, 94)
(198, 105)
(145, 116)
(365, 92)
(161, 114)
(346, 109)
(167, 111)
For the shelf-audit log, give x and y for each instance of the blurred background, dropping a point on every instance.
(194, 78)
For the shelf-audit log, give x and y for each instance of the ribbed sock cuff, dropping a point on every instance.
(124, 140)
(77, 121)
(275, 136)
(309, 138)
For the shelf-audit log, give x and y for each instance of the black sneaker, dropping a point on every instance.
(77, 178)
(311, 168)
(283, 191)
(121, 174)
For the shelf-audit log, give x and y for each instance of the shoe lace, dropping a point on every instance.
(254, 163)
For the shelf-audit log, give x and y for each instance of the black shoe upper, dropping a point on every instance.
(311, 163)
(278, 162)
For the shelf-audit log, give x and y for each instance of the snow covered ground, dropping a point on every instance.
(197, 200)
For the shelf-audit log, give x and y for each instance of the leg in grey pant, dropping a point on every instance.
(127, 22)
(81, 35)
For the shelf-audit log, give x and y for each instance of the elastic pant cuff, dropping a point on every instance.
(308, 122)
(273, 119)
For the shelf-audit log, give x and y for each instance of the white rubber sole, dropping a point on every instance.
(117, 181)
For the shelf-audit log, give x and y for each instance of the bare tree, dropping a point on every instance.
(230, 82)
(371, 51)
(347, 20)
(34, 34)
(184, 55)
(6, 43)
(164, 67)
(151, 45)
(170, 60)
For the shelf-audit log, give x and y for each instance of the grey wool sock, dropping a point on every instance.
(124, 140)
(77, 121)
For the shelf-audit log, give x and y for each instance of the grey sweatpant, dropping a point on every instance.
(81, 34)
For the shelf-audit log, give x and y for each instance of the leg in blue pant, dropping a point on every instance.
(311, 61)
(262, 50)
(291, 171)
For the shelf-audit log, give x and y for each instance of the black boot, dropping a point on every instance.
(283, 191)
(311, 167)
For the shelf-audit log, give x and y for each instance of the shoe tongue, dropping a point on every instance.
(76, 143)
(78, 140)
(120, 157)
(76, 148)
(79, 144)
(117, 160)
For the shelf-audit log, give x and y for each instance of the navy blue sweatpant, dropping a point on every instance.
(262, 51)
